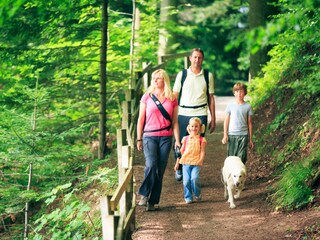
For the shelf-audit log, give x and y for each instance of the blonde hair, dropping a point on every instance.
(240, 86)
(167, 93)
(197, 120)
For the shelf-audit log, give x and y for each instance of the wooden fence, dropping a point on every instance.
(118, 210)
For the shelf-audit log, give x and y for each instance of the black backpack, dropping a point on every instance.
(184, 76)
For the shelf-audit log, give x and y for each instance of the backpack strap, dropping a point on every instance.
(183, 78)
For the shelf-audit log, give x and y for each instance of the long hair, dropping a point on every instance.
(167, 93)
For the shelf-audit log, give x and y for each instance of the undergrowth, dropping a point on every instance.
(286, 103)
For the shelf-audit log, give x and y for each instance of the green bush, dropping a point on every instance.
(292, 192)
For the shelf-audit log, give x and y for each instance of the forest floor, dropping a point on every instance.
(211, 218)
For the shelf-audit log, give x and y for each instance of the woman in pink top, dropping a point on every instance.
(193, 153)
(154, 136)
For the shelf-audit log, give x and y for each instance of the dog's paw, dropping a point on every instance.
(232, 205)
(236, 196)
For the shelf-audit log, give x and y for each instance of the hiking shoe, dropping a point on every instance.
(143, 201)
(198, 198)
(150, 207)
(188, 201)
(178, 175)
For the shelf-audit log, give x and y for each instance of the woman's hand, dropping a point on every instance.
(139, 145)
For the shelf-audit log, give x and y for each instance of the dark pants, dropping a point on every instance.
(237, 146)
(184, 122)
(156, 153)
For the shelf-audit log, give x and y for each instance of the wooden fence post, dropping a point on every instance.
(109, 221)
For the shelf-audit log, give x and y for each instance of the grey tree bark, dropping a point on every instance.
(165, 37)
(103, 81)
(257, 17)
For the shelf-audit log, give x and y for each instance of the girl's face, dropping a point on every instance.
(194, 128)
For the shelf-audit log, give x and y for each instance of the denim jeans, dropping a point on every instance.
(191, 181)
(156, 153)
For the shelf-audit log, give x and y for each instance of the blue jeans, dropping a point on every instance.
(191, 181)
(156, 153)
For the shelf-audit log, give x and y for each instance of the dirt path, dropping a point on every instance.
(212, 218)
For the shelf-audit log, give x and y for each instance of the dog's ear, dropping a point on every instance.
(229, 176)
(244, 175)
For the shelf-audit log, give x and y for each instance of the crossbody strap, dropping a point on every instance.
(161, 108)
(163, 112)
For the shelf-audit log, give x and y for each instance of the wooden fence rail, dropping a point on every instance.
(118, 210)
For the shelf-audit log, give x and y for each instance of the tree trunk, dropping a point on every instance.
(165, 38)
(103, 81)
(135, 12)
(257, 17)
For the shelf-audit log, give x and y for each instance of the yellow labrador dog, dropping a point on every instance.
(234, 176)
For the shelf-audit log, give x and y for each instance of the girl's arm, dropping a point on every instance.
(140, 125)
(176, 166)
(225, 129)
(250, 131)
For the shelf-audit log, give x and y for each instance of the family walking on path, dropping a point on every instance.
(160, 118)
(183, 113)
(165, 119)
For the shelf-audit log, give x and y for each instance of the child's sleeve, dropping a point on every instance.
(183, 147)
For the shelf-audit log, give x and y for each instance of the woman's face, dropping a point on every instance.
(158, 81)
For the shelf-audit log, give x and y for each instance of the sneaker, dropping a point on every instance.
(150, 207)
(143, 201)
(188, 201)
(178, 175)
(198, 198)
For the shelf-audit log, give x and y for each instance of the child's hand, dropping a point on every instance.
(176, 166)
(224, 140)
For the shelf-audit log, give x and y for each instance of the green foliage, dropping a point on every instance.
(69, 214)
(287, 94)
(49, 94)
(262, 88)
(292, 191)
(212, 30)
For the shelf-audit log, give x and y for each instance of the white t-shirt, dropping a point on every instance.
(194, 92)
